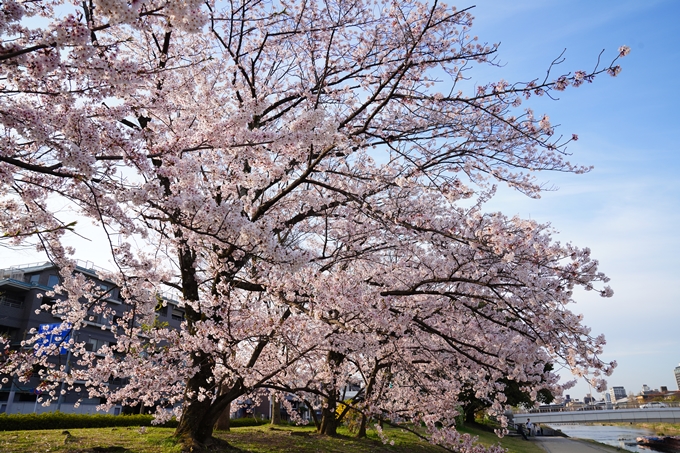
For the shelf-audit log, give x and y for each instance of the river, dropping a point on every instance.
(617, 436)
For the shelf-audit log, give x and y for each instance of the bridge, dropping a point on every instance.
(637, 415)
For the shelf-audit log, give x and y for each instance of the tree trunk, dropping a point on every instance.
(199, 418)
(312, 412)
(200, 412)
(368, 391)
(362, 428)
(470, 415)
(470, 411)
(276, 411)
(329, 421)
(224, 421)
(329, 424)
(195, 427)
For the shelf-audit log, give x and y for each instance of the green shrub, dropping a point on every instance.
(58, 420)
(247, 421)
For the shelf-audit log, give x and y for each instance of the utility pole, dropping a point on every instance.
(10, 399)
(63, 382)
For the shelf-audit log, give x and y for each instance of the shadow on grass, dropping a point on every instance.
(102, 450)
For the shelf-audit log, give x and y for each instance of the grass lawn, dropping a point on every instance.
(109, 440)
(259, 439)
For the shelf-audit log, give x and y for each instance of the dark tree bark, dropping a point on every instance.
(362, 427)
(224, 421)
(276, 411)
(195, 427)
(329, 424)
(367, 393)
(329, 421)
(200, 412)
(312, 412)
(199, 418)
(470, 412)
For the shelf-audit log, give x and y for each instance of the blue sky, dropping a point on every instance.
(627, 210)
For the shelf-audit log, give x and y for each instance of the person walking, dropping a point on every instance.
(520, 430)
(530, 428)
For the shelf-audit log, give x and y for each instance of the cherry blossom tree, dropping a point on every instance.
(310, 178)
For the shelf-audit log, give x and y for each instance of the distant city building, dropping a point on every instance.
(645, 388)
(677, 376)
(617, 393)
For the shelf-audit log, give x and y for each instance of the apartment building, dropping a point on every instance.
(22, 292)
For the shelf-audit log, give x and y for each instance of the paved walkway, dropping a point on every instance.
(564, 445)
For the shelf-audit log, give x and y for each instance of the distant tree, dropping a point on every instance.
(514, 392)
(674, 397)
(303, 175)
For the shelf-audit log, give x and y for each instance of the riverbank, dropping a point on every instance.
(660, 429)
(568, 445)
(619, 435)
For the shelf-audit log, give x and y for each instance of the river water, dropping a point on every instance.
(617, 436)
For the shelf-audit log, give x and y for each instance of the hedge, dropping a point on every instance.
(247, 421)
(59, 420)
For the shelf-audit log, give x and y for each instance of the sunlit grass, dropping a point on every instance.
(111, 440)
(257, 439)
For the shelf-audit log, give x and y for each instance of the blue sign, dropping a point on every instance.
(56, 334)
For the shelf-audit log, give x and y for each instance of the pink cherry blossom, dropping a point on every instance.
(293, 174)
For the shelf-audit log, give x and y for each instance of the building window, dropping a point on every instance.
(9, 333)
(162, 311)
(11, 299)
(53, 281)
(177, 314)
(34, 279)
(96, 318)
(95, 344)
(49, 301)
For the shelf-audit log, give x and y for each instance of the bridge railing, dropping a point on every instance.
(611, 406)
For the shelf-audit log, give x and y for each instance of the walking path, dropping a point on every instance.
(564, 445)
